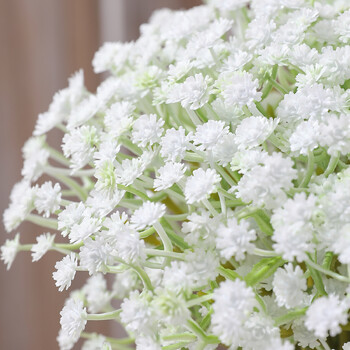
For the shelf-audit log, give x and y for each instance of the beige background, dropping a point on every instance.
(42, 43)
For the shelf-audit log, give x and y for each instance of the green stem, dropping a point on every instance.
(290, 316)
(199, 300)
(58, 156)
(147, 233)
(332, 164)
(134, 191)
(210, 207)
(68, 172)
(193, 157)
(327, 272)
(229, 274)
(43, 222)
(309, 170)
(156, 252)
(105, 316)
(261, 109)
(277, 86)
(73, 185)
(164, 237)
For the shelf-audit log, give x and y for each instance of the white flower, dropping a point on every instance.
(200, 185)
(88, 225)
(136, 314)
(169, 174)
(170, 307)
(65, 273)
(97, 343)
(326, 314)
(73, 318)
(289, 286)
(234, 239)
(147, 215)
(84, 111)
(96, 293)
(209, 134)
(147, 130)
(71, 215)
(44, 243)
(293, 229)
(253, 131)
(266, 184)
(9, 250)
(118, 118)
(193, 93)
(48, 198)
(239, 88)
(35, 165)
(80, 144)
(174, 144)
(233, 302)
(95, 255)
(22, 198)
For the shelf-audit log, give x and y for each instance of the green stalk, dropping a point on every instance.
(309, 170)
(43, 222)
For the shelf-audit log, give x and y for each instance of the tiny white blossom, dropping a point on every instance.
(239, 88)
(193, 93)
(234, 239)
(289, 286)
(326, 314)
(147, 215)
(9, 250)
(147, 130)
(73, 318)
(169, 174)
(44, 243)
(65, 273)
(174, 144)
(200, 185)
(48, 198)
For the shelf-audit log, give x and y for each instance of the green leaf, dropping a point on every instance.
(263, 269)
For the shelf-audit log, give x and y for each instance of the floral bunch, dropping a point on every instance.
(205, 186)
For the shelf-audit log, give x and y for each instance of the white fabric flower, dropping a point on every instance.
(234, 239)
(48, 198)
(200, 185)
(169, 174)
(326, 314)
(289, 286)
(9, 250)
(44, 243)
(147, 215)
(65, 273)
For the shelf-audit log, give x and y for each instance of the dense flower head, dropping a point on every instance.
(208, 175)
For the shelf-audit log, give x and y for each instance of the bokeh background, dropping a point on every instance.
(42, 42)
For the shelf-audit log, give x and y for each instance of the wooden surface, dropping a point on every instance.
(42, 43)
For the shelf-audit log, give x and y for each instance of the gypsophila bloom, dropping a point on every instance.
(204, 187)
(44, 243)
(325, 315)
(73, 318)
(9, 250)
(200, 185)
(169, 174)
(48, 198)
(147, 215)
(65, 273)
(289, 286)
(234, 239)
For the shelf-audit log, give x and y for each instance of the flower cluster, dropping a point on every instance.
(207, 181)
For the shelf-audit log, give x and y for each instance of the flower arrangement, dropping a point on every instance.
(207, 178)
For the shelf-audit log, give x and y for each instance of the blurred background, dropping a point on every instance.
(42, 43)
